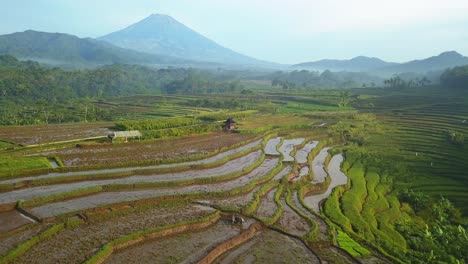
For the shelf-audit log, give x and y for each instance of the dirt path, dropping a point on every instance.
(337, 178)
(288, 146)
(270, 147)
(270, 247)
(318, 166)
(78, 244)
(54, 209)
(302, 154)
(96, 172)
(34, 192)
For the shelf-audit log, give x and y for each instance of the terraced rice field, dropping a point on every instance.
(419, 130)
(40, 134)
(108, 153)
(288, 146)
(143, 214)
(302, 154)
(337, 178)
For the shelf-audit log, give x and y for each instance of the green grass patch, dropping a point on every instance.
(352, 247)
(11, 166)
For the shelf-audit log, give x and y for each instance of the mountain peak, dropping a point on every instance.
(452, 54)
(364, 59)
(161, 34)
(159, 18)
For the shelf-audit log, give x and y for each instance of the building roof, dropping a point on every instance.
(230, 121)
(126, 134)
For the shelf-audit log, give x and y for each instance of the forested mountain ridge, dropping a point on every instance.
(377, 66)
(29, 80)
(68, 50)
(440, 62)
(357, 64)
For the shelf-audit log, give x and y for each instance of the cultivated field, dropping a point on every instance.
(319, 187)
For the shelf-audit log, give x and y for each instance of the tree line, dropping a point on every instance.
(312, 79)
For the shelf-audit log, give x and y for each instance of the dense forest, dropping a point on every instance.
(312, 79)
(30, 80)
(31, 93)
(455, 78)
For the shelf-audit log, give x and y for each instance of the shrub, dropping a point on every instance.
(456, 138)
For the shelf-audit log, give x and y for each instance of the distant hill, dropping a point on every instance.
(374, 65)
(357, 64)
(64, 49)
(163, 35)
(440, 62)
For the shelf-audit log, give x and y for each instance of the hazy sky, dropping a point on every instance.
(285, 31)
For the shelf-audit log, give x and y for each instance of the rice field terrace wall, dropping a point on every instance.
(141, 171)
(153, 233)
(20, 171)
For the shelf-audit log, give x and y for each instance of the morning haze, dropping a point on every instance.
(233, 131)
(279, 31)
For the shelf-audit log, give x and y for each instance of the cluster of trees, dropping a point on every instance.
(34, 94)
(33, 112)
(311, 79)
(200, 82)
(357, 129)
(30, 80)
(455, 78)
(441, 239)
(397, 82)
(456, 138)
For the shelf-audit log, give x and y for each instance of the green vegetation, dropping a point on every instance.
(351, 246)
(455, 78)
(10, 166)
(404, 151)
(310, 79)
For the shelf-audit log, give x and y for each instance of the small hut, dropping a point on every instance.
(229, 124)
(124, 135)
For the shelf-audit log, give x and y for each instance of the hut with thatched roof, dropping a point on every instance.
(124, 135)
(229, 124)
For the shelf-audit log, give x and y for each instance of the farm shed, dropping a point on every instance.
(229, 124)
(125, 134)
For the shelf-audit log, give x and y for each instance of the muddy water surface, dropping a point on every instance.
(183, 248)
(337, 178)
(100, 199)
(292, 222)
(267, 206)
(12, 219)
(270, 147)
(91, 172)
(318, 166)
(283, 173)
(80, 243)
(229, 167)
(288, 146)
(302, 154)
(322, 226)
(270, 247)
